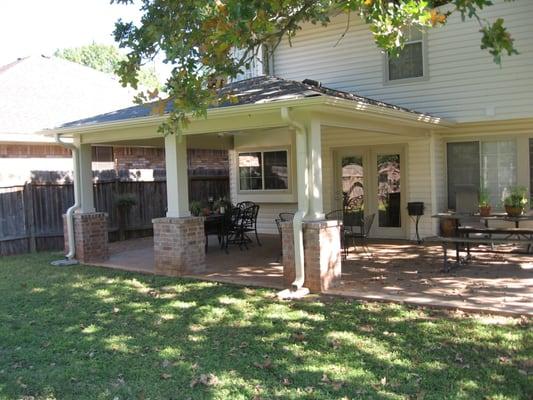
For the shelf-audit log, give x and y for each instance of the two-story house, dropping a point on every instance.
(344, 125)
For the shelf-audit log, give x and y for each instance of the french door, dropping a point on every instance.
(370, 181)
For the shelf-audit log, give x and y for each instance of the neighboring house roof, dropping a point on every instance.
(41, 92)
(259, 90)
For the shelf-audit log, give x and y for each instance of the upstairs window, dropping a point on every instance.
(263, 170)
(410, 64)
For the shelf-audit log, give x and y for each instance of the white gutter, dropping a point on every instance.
(303, 203)
(77, 196)
(238, 110)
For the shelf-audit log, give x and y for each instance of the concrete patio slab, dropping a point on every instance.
(396, 271)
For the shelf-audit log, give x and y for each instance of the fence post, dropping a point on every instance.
(29, 216)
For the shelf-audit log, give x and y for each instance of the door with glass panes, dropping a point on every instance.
(369, 181)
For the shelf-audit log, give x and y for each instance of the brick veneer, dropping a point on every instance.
(179, 246)
(90, 234)
(287, 247)
(322, 253)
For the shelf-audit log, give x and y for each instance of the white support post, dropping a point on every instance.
(314, 154)
(86, 179)
(177, 177)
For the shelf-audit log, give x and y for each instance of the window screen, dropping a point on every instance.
(266, 170)
(463, 168)
(408, 64)
(250, 171)
(498, 169)
(276, 173)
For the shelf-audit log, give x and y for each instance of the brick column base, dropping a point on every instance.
(90, 236)
(287, 251)
(322, 253)
(179, 246)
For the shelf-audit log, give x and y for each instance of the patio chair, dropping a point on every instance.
(232, 228)
(335, 215)
(338, 215)
(245, 204)
(286, 216)
(362, 235)
(249, 222)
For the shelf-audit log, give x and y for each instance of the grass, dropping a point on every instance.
(90, 333)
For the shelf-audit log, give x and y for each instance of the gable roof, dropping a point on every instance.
(259, 90)
(41, 92)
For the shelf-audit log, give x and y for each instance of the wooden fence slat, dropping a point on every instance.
(31, 216)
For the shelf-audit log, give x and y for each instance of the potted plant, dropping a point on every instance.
(484, 202)
(221, 205)
(195, 208)
(124, 202)
(516, 201)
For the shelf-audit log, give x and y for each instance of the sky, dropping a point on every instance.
(32, 27)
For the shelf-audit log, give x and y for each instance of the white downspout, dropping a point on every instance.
(77, 196)
(303, 203)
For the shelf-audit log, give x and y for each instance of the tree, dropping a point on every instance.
(107, 58)
(199, 38)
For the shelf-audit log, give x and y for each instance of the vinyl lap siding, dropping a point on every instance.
(463, 81)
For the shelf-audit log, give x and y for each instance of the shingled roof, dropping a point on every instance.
(40, 92)
(259, 90)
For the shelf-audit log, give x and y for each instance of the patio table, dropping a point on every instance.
(462, 233)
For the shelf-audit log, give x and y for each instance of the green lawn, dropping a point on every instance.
(91, 333)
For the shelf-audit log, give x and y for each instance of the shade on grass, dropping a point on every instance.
(90, 333)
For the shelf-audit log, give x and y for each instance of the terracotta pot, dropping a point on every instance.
(447, 227)
(514, 211)
(484, 211)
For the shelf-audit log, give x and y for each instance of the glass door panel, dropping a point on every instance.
(353, 189)
(389, 190)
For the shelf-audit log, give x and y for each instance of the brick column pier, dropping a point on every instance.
(322, 253)
(90, 236)
(287, 250)
(179, 246)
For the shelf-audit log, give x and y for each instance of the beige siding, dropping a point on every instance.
(464, 84)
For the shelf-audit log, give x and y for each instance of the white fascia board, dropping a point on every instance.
(267, 110)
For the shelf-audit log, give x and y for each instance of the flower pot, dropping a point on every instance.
(514, 211)
(484, 211)
(447, 227)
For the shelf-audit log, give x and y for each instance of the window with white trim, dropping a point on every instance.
(491, 164)
(263, 170)
(410, 63)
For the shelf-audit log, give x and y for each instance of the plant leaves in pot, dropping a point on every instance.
(484, 202)
(516, 201)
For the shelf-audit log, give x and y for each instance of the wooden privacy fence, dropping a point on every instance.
(31, 216)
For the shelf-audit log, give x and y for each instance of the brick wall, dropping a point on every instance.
(322, 254)
(139, 158)
(129, 163)
(179, 246)
(90, 233)
(125, 157)
(33, 151)
(204, 159)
